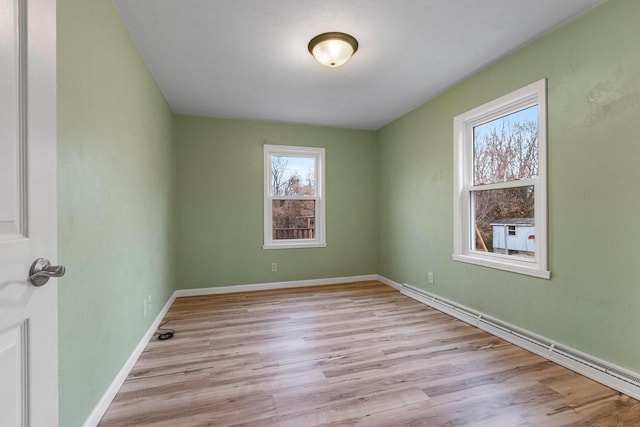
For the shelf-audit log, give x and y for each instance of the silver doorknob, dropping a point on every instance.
(41, 270)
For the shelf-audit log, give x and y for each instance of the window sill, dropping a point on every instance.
(289, 245)
(505, 265)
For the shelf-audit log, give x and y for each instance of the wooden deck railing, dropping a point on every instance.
(293, 233)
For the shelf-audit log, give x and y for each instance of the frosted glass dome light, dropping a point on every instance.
(333, 49)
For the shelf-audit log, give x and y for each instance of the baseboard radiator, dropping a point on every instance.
(608, 374)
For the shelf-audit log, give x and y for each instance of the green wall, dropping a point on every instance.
(591, 302)
(219, 208)
(114, 200)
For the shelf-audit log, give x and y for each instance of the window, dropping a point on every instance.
(293, 197)
(500, 201)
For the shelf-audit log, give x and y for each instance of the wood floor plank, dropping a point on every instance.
(344, 411)
(358, 354)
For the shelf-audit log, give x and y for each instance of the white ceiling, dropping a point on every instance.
(248, 58)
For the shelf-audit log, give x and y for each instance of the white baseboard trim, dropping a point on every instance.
(599, 370)
(108, 396)
(273, 285)
(390, 282)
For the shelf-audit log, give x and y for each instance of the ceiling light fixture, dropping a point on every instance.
(333, 49)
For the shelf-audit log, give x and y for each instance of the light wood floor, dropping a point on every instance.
(348, 355)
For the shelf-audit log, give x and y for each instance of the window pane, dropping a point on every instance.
(504, 221)
(506, 149)
(293, 176)
(294, 219)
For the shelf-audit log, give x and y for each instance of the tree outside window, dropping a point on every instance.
(294, 209)
(500, 183)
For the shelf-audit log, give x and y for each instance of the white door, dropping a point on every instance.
(28, 225)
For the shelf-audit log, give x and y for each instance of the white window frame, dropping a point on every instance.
(533, 94)
(319, 241)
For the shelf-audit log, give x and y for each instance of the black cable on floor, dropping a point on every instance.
(164, 333)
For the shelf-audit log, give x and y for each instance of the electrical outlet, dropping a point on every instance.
(431, 277)
(149, 304)
(145, 307)
(274, 266)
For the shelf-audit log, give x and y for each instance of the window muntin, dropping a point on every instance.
(294, 197)
(500, 183)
